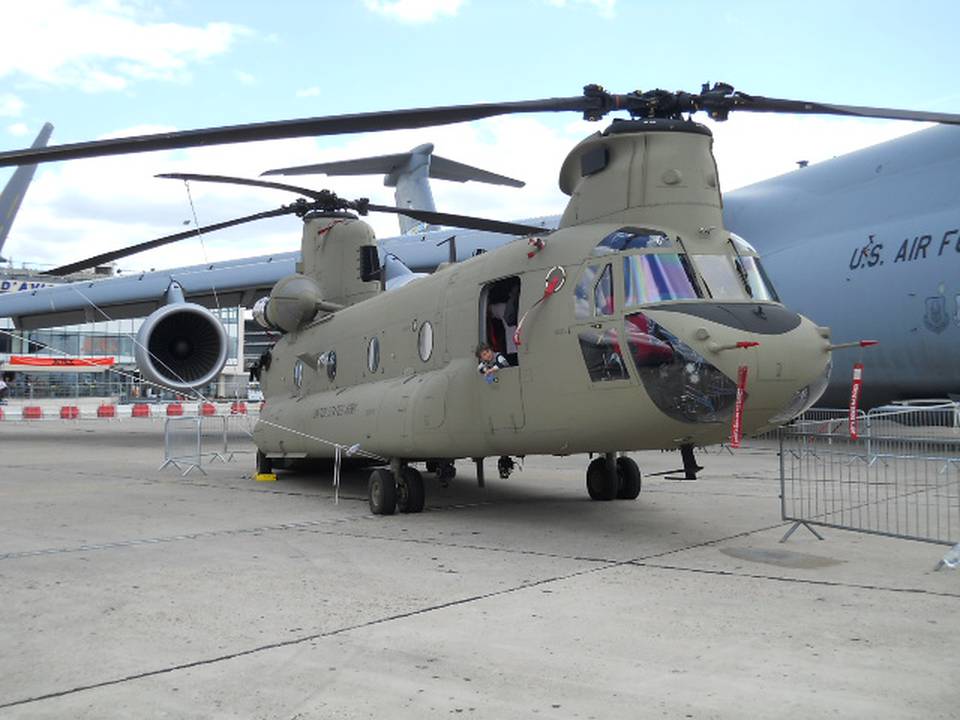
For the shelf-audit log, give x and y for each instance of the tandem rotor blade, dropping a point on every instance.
(166, 240)
(467, 222)
(330, 201)
(305, 127)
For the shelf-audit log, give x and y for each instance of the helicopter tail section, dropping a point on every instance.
(16, 188)
(409, 173)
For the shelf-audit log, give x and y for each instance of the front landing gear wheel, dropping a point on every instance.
(410, 492)
(628, 475)
(383, 492)
(602, 479)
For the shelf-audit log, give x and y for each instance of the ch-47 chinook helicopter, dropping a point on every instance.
(639, 323)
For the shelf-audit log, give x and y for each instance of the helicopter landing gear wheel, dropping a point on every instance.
(602, 478)
(410, 492)
(382, 490)
(628, 479)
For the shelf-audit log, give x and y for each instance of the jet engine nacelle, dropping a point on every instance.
(181, 346)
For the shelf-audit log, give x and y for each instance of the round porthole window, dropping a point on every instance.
(373, 355)
(425, 341)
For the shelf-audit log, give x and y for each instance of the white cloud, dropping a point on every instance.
(10, 105)
(246, 78)
(604, 7)
(103, 45)
(18, 129)
(309, 92)
(414, 11)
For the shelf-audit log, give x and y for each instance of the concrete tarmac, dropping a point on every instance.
(133, 592)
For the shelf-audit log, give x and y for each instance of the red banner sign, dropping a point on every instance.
(67, 362)
(854, 420)
(736, 432)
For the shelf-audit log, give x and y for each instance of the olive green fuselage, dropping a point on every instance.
(424, 398)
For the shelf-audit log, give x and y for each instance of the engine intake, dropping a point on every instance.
(181, 346)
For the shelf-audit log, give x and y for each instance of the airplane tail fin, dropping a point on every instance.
(13, 193)
(409, 173)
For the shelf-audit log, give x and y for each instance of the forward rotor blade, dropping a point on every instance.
(594, 103)
(305, 127)
(159, 242)
(754, 103)
(462, 221)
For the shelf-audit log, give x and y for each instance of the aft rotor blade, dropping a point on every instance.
(462, 221)
(434, 218)
(166, 240)
(229, 180)
(305, 127)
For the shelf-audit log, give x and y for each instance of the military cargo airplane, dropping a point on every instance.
(664, 308)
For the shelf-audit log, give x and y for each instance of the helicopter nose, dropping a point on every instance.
(785, 356)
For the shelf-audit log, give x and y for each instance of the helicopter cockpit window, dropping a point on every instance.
(759, 286)
(593, 295)
(603, 293)
(601, 353)
(581, 295)
(680, 381)
(720, 277)
(656, 277)
(631, 238)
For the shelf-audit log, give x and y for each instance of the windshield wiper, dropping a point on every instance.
(738, 263)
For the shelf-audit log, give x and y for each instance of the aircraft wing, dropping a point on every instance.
(225, 284)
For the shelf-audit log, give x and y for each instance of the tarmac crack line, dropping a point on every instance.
(606, 566)
(307, 638)
(802, 581)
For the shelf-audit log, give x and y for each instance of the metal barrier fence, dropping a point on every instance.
(899, 478)
(189, 441)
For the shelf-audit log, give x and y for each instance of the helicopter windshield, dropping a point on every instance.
(656, 277)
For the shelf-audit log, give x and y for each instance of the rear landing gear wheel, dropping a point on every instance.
(602, 479)
(410, 492)
(382, 490)
(629, 482)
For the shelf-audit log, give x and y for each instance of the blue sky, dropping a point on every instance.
(117, 67)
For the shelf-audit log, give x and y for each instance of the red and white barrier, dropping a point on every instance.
(52, 410)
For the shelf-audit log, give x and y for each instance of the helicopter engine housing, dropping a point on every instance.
(292, 303)
(181, 346)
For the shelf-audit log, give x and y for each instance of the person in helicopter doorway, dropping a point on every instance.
(490, 362)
